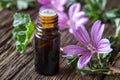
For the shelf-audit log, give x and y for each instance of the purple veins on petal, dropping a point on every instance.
(83, 60)
(97, 31)
(82, 21)
(75, 16)
(104, 46)
(100, 46)
(73, 50)
(75, 8)
(78, 15)
(81, 35)
(60, 4)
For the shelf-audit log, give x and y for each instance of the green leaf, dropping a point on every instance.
(72, 61)
(7, 4)
(23, 31)
(113, 13)
(81, 1)
(70, 2)
(22, 4)
(108, 58)
(95, 9)
(117, 23)
(16, 4)
(101, 4)
(83, 71)
(97, 5)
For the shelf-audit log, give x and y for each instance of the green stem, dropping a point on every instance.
(99, 60)
(104, 71)
(72, 60)
(99, 70)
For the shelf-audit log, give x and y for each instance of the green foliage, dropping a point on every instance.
(23, 31)
(72, 61)
(95, 9)
(107, 59)
(16, 4)
(70, 2)
(117, 23)
(111, 15)
(100, 63)
(84, 71)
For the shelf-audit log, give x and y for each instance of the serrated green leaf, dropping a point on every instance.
(23, 31)
(22, 4)
(20, 19)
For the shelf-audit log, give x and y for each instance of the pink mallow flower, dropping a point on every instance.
(75, 17)
(90, 46)
(57, 5)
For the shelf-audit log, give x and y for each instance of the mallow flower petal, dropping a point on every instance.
(44, 2)
(62, 20)
(75, 8)
(59, 8)
(81, 34)
(83, 60)
(82, 21)
(58, 4)
(96, 32)
(103, 46)
(78, 15)
(73, 50)
(46, 7)
(61, 2)
(72, 27)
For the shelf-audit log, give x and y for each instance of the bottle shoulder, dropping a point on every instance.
(47, 36)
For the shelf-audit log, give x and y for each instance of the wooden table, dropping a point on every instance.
(14, 66)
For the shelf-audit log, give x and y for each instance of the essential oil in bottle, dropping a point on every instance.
(47, 43)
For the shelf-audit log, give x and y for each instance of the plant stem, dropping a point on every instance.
(72, 60)
(99, 60)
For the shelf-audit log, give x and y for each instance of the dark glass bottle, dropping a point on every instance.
(47, 43)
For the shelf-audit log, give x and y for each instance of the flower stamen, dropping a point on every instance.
(91, 48)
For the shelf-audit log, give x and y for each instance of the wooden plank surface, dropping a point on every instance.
(14, 66)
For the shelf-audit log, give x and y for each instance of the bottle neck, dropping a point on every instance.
(47, 26)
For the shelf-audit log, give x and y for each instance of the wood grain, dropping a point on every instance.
(14, 66)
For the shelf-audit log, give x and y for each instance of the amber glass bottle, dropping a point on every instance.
(47, 43)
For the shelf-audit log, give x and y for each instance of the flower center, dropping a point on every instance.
(69, 23)
(91, 48)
